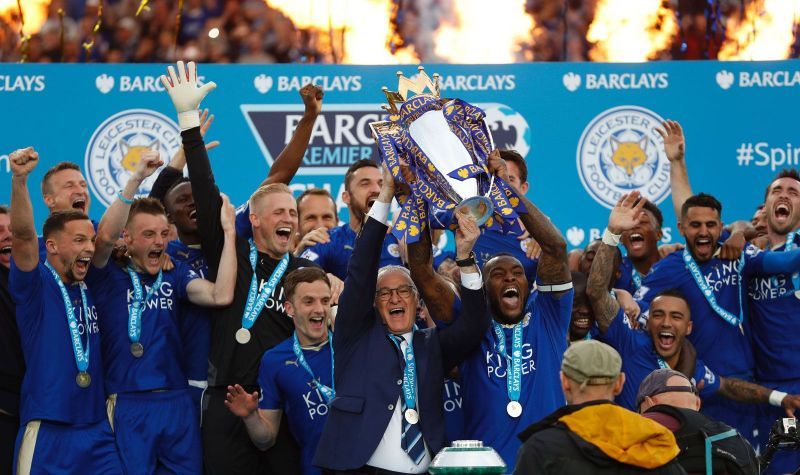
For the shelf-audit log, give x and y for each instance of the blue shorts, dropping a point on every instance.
(784, 461)
(157, 432)
(51, 447)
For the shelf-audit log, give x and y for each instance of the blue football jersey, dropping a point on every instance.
(160, 366)
(49, 389)
(483, 376)
(285, 385)
(334, 256)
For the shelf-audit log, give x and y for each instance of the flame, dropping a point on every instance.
(765, 32)
(485, 32)
(631, 31)
(34, 12)
(361, 28)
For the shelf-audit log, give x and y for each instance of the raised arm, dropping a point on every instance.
(115, 217)
(464, 335)
(186, 96)
(24, 241)
(436, 291)
(262, 424)
(625, 216)
(355, 314)
(219, 293)
(290, 159)
(174, 170)
(675, 148)
(553, 267)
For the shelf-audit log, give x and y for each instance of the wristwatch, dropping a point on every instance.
(469, 261)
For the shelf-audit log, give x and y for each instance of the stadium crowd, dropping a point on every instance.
(272, 339)
(250, 31)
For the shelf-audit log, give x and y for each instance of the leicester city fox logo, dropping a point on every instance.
(620, 152)
(116, 148)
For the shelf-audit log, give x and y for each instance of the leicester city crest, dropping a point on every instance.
(620, 152)
(116, 147)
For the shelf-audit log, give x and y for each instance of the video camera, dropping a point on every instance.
(783, 436)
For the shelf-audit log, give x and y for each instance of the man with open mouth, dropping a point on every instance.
(775, 309)
(155, 422)
(240, 333)
(362, 184)
(713, 287)
(64, 188)
(295, 377)
(64, 428)
(669, 323)
(512, 380)
(387, 416)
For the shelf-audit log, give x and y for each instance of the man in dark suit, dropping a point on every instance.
(387, 416)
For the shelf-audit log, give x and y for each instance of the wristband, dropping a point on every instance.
(189, 119)
(776, 398)
(610, 238)
(466, 262)
(123, 199)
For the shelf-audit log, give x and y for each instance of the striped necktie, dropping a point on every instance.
(411, 436)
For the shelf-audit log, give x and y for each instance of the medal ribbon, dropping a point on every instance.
(409, 371)
(636, 278)
(256, 299)
(327, 393)
(81, 355)
(136, 307)
(514, 366)
(708, 293)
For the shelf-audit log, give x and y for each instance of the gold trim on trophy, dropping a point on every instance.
(405, 85)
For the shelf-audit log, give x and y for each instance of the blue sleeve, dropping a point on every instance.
(620, 335)
(318, 254)
(185, 275)
(25, 287)
(243, 226)
(268, 382)
(660, 278)
(704, 373)
(555, 314)
(761, 263)
(98, 278)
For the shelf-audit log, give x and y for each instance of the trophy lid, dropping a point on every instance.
(467, 456)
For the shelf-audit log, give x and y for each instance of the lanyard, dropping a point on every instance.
(136, 308)
(81, 355)
(661, 363)
(327, 393)
(708, 293)
(409, 372)
(514, 366)
(637, 279)
(790, 246)
(256, 299)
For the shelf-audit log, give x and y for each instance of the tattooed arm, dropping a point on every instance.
(553, 267)
(435, 290)
(627, 213)
(744, 391)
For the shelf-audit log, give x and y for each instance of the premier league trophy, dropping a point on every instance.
(444, 144)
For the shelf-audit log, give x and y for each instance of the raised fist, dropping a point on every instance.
(23, 161)
(312, 98)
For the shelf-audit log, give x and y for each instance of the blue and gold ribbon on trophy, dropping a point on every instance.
(444, 144)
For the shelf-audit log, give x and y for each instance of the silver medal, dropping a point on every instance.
(411, 415)
(243, 336)
(514, 409)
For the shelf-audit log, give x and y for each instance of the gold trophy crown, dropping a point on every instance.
(405, 85)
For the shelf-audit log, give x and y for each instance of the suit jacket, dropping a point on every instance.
(368, 371)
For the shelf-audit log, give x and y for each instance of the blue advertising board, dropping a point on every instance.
(585, 129)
